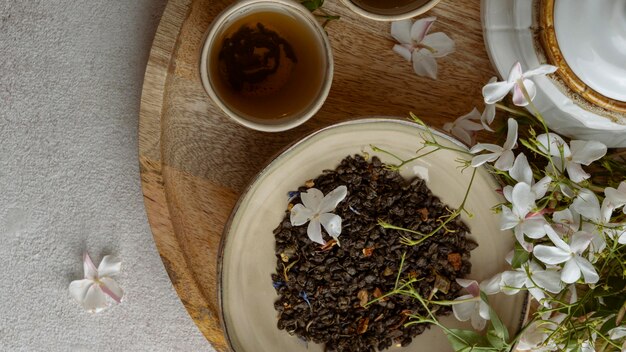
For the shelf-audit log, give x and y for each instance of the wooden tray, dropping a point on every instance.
(195, 161)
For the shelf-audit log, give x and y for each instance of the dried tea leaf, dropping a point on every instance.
(455, 260)
(363, 297)
(363, 325)
(368, 251)
(424, 213)
(333, 276)
(402, 321)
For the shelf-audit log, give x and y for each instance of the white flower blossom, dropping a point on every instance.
(570, 254)
(465, 127)
(571, 158)
(489, 114)
(617, 197)
(521, 172)
(535, 335)
(92, 291)
(520, 218)
(588, 205)
(420, 47)
(502, 156)
(315, 209)
(587, 346)
(475, 309)
(496, 91)
(532, 276)
(567, 219)
(617, 333)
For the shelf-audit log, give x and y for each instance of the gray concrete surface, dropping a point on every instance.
(70, 80)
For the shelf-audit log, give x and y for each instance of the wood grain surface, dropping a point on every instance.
(195, 161)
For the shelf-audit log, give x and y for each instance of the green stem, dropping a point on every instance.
(510, 110)
(400, 270)
(376, 149)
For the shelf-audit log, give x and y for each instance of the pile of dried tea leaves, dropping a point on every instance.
(322, 290)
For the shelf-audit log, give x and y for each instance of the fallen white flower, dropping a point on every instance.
(465, 127)
(315, 209)
(420, 47)
(92, 291)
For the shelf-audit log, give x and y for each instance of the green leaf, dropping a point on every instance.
(520, 256)
(465, 340)
(498, 327)
(495, 340)
(312, 5)
(501, 331)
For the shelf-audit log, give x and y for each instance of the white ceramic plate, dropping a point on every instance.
(508, 27)
(594, 45)
(247, 259)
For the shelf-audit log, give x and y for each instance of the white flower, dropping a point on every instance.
(475, 309)
(617, 197)
(503, 156)
(580, 153)
(315, 209)
(532, 276)
(489, 114)
(492, 285)
(464, 128)
(496, 91)
(587, 346)
(91, 291)
(519, 217)
(570, 254)
(420, 47)
(567, 219)
(588, 205)
(617, 333)
(521, 172)
(535, 335)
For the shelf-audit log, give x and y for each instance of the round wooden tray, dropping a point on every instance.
(195, 161)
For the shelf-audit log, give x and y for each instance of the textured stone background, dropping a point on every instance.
(70, 82)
